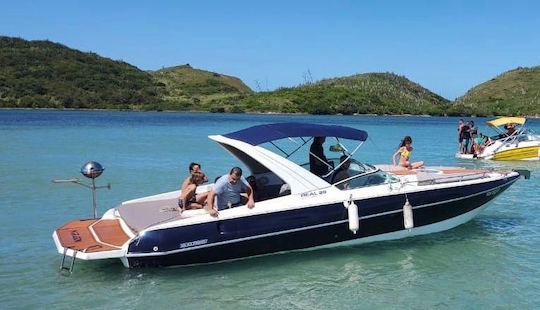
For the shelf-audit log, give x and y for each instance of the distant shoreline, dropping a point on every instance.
(255, 113)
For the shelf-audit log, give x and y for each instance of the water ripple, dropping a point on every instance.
(491, 262)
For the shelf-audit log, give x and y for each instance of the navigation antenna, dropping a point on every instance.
(91, 170)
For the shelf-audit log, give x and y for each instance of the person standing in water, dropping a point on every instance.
(404, 151)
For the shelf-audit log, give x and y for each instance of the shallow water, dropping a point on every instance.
(492, 261)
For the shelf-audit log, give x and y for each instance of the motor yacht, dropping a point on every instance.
(295, 209)
(519, 143)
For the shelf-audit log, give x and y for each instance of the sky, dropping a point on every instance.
(445, 46)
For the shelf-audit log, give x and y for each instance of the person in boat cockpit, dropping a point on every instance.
(253, 183)
(342, 172)
(228, 189)
(510, 129)
(317, 159)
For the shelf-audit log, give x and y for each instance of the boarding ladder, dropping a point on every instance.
(68, 268)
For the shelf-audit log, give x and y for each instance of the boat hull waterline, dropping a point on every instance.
(430, 216)
(529, 153)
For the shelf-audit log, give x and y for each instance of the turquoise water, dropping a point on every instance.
(492, 261)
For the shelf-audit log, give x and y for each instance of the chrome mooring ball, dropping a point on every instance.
(92, 169)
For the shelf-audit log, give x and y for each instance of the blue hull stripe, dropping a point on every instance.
(328, 224)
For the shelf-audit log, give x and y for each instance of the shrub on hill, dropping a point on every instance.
(41, 74)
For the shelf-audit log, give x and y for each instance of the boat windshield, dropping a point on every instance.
(359, 175)
(521, 134)
(356, 175)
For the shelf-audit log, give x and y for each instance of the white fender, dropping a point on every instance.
(408, 220)
(352, 210)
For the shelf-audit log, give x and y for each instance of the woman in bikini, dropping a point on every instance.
(189, 199)
(404, 151)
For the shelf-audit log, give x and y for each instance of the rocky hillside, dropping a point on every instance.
(515, 92)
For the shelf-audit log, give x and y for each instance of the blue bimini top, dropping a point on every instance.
(270, 132)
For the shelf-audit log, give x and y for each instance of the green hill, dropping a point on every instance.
(379, 93)
(44, 74)
(186, 88)
(515, 92)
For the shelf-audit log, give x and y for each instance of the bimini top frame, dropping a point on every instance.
(244, 145)
(270, 132)
(506, 120)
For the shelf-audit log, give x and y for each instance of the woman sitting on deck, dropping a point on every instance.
(478, 145)
(404, 151)
(189, 199)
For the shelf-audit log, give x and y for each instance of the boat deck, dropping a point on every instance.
(442, 171)
(398, 170)
(94, 235)
(437, 175)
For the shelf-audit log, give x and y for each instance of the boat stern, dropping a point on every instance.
(91, 239)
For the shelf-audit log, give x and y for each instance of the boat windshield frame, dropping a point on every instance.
(370, 170)
(247, 143)
(332, 168)
(505, 138)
